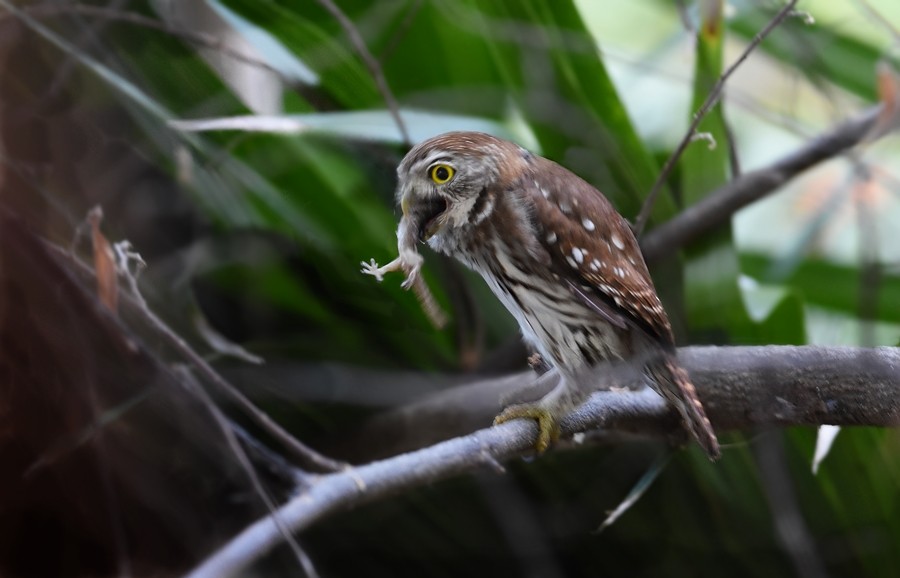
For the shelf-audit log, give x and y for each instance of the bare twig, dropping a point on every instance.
(715, 94)
(241, 455)
(304, 454)
(371, 63)
(741, 387)
(752, 186)
(685, 16)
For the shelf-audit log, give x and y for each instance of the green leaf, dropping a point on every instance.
(366, 125)
(827, 284)
(716, 305)
(316, 40)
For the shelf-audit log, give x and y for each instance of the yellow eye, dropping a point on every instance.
(440, 174)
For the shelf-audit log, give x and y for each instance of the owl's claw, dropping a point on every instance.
(548, 426)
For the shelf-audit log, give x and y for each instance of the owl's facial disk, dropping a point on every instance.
(437, 193)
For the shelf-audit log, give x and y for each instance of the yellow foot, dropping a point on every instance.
(548, 428)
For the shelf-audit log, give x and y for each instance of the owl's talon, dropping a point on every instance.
(548, 427)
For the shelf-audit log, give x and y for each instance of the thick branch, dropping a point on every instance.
(741, 387)
(721, 204)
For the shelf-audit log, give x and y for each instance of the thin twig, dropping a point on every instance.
(307, 455)
(715, 94)
(304, 454)
(685, 16)
(722, 203)
(371, 63)
(742, 387)
(232, 440)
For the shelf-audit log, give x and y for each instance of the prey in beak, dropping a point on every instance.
(421, 220)
(425, 216)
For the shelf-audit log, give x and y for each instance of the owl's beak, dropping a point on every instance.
(423, 215)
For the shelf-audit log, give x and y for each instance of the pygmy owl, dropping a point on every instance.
(556, 253)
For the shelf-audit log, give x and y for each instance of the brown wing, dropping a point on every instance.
(594, 251)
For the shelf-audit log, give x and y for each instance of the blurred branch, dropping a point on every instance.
(754, 185)
(741, 388)
(715, 94)
(198, 39)
(135, 304)
(402, 29)
(371, 63)
(115, 14)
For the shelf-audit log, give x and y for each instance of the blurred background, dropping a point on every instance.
(246, 149)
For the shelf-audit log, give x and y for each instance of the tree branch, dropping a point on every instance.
(752, 186)
(715, 94)
(135, 304)
(741, 388)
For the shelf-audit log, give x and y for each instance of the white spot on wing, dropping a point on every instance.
(565, 207)
(572, 262)
(551, 238)
(595, 265)
(545, 192)
(588, 224)
(578, 255)
(609, 289)
(617, 241)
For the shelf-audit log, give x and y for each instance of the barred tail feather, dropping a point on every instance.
(674, 384)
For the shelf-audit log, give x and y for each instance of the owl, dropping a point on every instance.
(558, 256)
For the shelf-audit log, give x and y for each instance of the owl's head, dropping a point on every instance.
(446, 184)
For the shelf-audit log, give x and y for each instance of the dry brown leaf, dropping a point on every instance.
(888, 85)
(104, 262)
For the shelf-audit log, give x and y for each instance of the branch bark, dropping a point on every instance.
(741, 388)
(753, 186)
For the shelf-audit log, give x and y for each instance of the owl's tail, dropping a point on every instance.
(673, 383)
